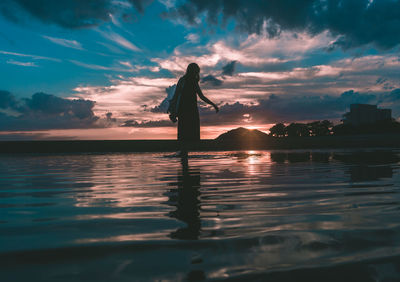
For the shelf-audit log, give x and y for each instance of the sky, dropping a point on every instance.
(105, 69)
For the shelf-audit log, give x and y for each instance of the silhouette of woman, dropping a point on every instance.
(185, 101)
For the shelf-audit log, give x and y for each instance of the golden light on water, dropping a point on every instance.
(257, 162)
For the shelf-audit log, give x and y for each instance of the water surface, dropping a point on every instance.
(255, 215)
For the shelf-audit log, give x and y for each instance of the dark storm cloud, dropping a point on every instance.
(356, 22)
(7, 100)
(140, 4)
(146, 124)
(109, 117)
(394, 96)
(47, 104)
(210, 79)
(229, 69)
(45, 111)
(66, 13)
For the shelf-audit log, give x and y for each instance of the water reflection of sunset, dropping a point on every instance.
(222, 210)
(118, 181)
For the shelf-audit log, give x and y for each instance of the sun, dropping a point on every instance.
(252, 127)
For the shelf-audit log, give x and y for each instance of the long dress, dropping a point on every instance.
(188, 113)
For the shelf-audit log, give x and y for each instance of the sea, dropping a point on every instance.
(295, 215)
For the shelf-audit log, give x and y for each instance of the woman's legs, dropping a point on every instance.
(183, 146)
(188, 131)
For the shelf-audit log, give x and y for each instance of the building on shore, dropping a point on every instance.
(366, 114)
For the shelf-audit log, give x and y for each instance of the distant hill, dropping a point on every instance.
(243, 136)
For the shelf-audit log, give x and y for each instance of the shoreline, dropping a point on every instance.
(268, 143)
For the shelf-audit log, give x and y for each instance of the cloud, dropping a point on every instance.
(99, 67)
(35, 57)
(140, 4)
(290, 108)
(65, 42)
(109, 117)
(66, 13)
(229, 68)
(210, 79)
(28, 136)
(381, 80)
(138, 68)
(312, 88)
(163, 107)
(23, 64)
(394, 95)
(45, 111)
(276, 108)
(108, 121)
(149, 123)
(168, 3)
(356, 22)
(7, 100)
(359, 74)
(353, 23)
(126, 67)
(192, 37)
(116, 38)
(130, 97)
(52, 105)
(70, 14)
(256, 51)
(90, 66)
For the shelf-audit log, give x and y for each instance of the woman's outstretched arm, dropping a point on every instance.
(204, 98)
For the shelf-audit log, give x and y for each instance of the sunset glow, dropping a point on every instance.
(198, 140)
(108, 73)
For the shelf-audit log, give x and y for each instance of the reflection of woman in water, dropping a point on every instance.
(186, 199)
(185, 102)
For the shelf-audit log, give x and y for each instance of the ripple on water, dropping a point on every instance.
(249, 214)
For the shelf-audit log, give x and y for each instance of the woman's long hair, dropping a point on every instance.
(193, 72)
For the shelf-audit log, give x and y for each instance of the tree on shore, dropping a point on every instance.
(278, 130)
(316, 128)
(297, 130)
(320, 128)
(326, 128)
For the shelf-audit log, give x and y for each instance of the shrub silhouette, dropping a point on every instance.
(326, 128)
(297, 130)
(278, 130)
